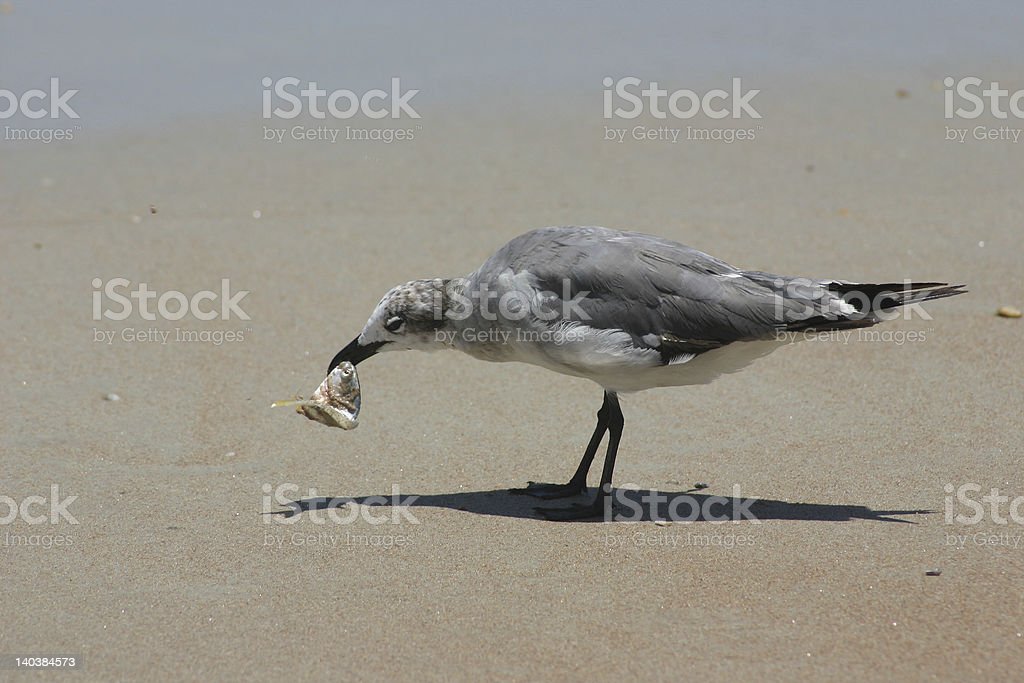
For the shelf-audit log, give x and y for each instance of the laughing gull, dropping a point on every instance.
(627, 310)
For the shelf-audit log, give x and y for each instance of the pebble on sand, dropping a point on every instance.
(111, 397)
(1008, 312)
(933, 572)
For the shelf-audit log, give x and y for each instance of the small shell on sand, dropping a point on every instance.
(1008, 312)
(111, 397)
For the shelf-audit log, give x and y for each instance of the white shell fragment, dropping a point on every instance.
(1008, 312)
(335, 402)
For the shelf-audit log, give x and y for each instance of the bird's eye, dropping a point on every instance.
(394, 324)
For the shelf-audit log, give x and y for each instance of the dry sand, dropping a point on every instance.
(172, 571)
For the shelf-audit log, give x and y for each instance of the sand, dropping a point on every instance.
(168, 567)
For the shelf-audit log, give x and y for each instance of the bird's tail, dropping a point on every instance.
(872, 301)
(875, 298)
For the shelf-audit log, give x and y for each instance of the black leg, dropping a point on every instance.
(602, 500)
(578, 483)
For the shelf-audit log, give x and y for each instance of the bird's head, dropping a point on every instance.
(409, 316)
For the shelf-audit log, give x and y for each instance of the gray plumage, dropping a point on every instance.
(675, 299)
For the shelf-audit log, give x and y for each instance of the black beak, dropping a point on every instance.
(354, 353)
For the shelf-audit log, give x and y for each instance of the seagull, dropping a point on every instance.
(626, 310)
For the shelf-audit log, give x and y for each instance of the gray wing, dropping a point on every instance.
(665, 295)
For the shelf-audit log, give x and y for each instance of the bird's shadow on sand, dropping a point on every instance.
(631, 505)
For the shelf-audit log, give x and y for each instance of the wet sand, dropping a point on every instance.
(171, 568)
